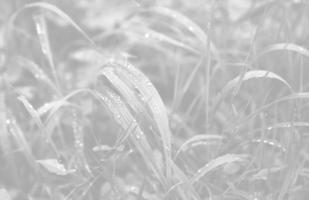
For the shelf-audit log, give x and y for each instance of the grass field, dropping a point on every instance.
(152, 100)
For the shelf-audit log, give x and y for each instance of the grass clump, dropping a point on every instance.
(168, 101)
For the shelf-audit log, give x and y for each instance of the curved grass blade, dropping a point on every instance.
(131, 98)
(183, 20)
(286, 47)
(126, 92)
(263, 174)
(52, 107)
(300, 95)
(37, 72)
(288, 125)
(119, 111)
(21, 141)
(124, 118)
(269, 142)
(256, 74)
(35, 116)
(203, 138)
(152, 35)
(148, 93)
(253, 74)
(217, 162)
(41, 29)
(49, 7)
(183, 180)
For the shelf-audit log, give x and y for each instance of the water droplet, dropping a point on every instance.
(139, 135)
(134, 189)
(8, 122)
(79, 144)
(191, 28)
(147, 35)
(37, 76)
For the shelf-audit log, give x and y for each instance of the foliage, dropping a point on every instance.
(154, 99)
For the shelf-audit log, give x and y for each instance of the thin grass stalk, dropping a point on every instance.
(208, 64)
(42, 31)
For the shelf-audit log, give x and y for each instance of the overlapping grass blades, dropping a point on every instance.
(47, 7)
(250, 75)
(37, 120)
(182, 20)
(143, 99)
(35, 70)
(42, 32)
(131, 79)
(121, 114)
(125, 119)
(202, 138)
(217, 162)
(294, 96)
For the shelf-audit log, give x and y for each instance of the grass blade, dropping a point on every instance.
(35, 116)
(37, 72)
(51, 8)
(203, 138)
(123, 117)
(41, 28)
(150, 96)
(215, 163)
(250, 75)
(286, 47)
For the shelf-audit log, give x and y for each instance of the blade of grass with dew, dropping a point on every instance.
(148, 35)
(251, 50)
(285, 47)
(295, 96)
(37, 72)
(183, 179)
(183, 20)
(42, 32)
(217, 162)
(253, 74)
(148, 93)
(135, 103)
(21, 141)
(51, 107)
(197, 139)
(272, 143)
(123, 117)
(192, 27)
(126, 92)
(35, 116)
(264, 173)
(79, 141)
(288, 125)
(51, 8)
